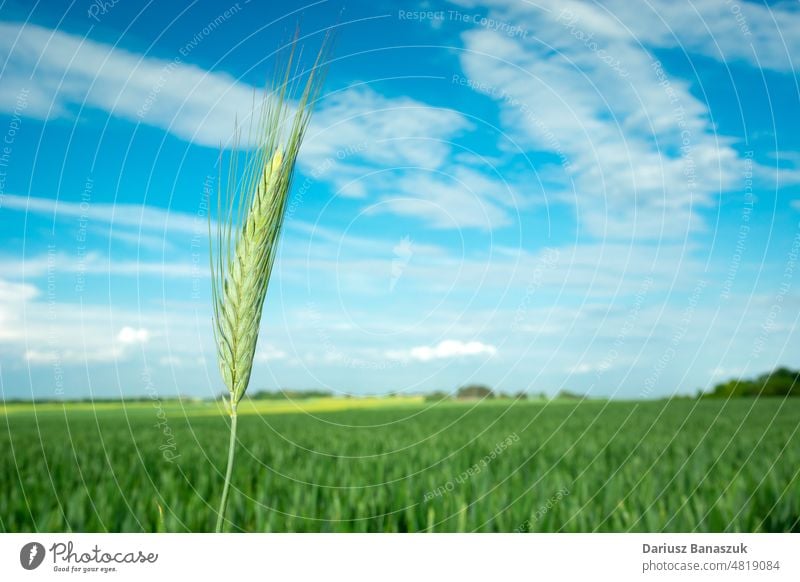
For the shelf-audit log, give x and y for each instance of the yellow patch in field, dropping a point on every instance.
(216, 408)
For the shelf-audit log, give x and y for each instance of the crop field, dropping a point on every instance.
(405, 465)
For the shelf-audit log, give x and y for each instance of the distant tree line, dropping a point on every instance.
(98, 400)
(482, 392)
(289, 394)
(780, 382)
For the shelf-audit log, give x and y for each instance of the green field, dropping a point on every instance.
(405, 465)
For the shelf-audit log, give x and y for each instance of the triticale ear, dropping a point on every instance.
(250, 215)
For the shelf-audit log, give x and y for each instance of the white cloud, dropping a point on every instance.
(584, 368)
(200, 106)
(41, 328)
(445, 349)
(130, 335)
(270, 353)
(749, 32)
(359, 140)
(16, 292)
(57, 351)
(13, 297)
(137, 216)
(63, 73)
(172, 362)
(92, 263)
(597, 270)
(70, 356)
(331, 239)
(458, 198)
(720, 372)
(358, 129)
(400, 151)
(619, 138)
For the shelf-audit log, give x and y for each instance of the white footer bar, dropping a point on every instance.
(401, 557)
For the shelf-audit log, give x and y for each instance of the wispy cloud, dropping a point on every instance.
(445, 349)
(761, 35)
(43, 329)
(130, 335)
(360, 140)
(639, 154)
(401, 152)
(270, 353)
(93, 263)
(449, 199)
(65, 73)
(359, 126)
(131, 216)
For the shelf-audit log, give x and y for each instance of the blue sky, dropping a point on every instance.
(536, 196)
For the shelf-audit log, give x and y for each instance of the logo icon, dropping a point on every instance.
(31, 555)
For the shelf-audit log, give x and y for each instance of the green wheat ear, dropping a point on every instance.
(250, 214)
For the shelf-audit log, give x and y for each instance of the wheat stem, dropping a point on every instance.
(231, 452)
